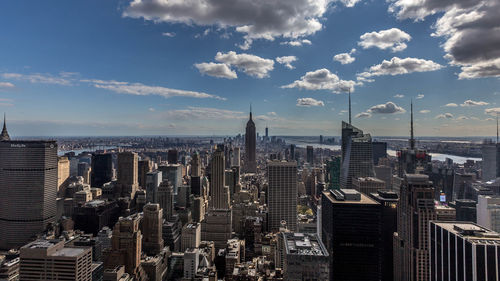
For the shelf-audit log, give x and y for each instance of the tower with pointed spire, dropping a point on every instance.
(4, 136)
(412, 137)
(350, 107)
(250, 146)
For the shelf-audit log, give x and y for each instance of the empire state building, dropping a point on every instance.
(250, 139)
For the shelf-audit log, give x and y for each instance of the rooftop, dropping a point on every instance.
(304, 244)
(348, 196)
(471, 232)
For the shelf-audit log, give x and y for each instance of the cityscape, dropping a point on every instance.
(129, 152)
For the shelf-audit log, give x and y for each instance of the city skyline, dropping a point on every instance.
(135, 68)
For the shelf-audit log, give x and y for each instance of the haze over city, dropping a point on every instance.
(194, 67)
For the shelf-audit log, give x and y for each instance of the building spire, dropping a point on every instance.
(412, 137)
(349, 106)
(497, 127)
(250, 111)
(4, 136)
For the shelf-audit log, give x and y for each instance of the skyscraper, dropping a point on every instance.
(379, 151)
(144, 167)
(4, 136)
(128, 173)
(357, 160)
(28, 185)
(411, 242)
(166, 199)
(351, 230)
(310, 154)
(219, 197)
(463, 251)
(250, 143)
(282, 194)
(102, 169)
(152, 229)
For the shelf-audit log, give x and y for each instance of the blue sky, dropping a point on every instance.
(157, 67)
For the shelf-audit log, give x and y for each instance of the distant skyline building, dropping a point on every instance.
(282, 194)
(379, 151)
(491, 161)
(102, 169)
(250, 146)
(310, 154)
(411, 242)
(357, 157)
(28, 188)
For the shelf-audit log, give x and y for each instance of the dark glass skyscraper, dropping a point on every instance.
(102, 169)
(250, 142)
(28, 187)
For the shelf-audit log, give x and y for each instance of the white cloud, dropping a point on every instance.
(322, 79)
(6, 85)
(350, 3)
(287, 61)
(219, 70)
(399, 96)
(451, 104)
(462, 117)
(425, 111)
(492, 111)
(168, 34)
(203, 113)
(420, 96)
(151, 109)
(393, 39)
(140, 89)
(297, 43)
(250, 64)
(38, 78)
(445, 116)
(363, 115)
(256, 19)
(469, 28)
(308, 102)
(398, 66)
(344, 58)
(387, 108)
(473, 103)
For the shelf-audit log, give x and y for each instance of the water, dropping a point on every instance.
(87, 149)
(435, 156)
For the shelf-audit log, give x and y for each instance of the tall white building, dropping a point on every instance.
(191, 262)
(282, 194)
(488, 212)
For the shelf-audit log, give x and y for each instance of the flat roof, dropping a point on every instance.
(364, 199)
(471, 232)
(69, 252)
(308, 244)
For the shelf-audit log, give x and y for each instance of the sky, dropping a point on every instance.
(194, 67)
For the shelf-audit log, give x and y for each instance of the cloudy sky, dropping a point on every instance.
(193, 67)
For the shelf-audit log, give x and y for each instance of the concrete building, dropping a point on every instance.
(191, 236)
(368, 185)
(310, 154)
(384, 173)
(28, 184)
(411, 242)
(191, 262)
(128, 173)
(352, 233)
(51, 260)
(462, 251)
(62, 173)
(166, 199)
(305, 257)
(152, 223)
(235, 253)
(153, 181)
(250, 146)
(491, 159)
(488, 212)
(282, 194)
(144, 167)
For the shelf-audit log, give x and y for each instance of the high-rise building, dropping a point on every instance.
(152, 239)
(153, 181)
(310, 154)
(235, 161)
(28, 184)
(191, 236)
(144, 167)
(172, 156)
(126, 245)
(166, 199)
(4, 136)
(491, 159)
(368, 185)
(333, 172)
(411, 158)
(305, 257)
(292, 152)
(62, 173)
(51, 260)
(411, 242)
(384, 173)
(219, 197)
(250, 146)
(128, 173)
(217, 225)
(191, 263)
(102, 169)
(379, 151)
(466, 210)
(172, 173)
(352, 233)
(488, 212)
(389, 201)
(357, 159)
(195, 165)
(282, 194)
(462, 251)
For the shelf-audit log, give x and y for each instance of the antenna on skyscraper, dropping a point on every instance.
(250, 110)
(349, 106)
(412, 137)
(497, 127)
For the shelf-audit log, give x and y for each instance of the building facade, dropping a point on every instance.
(282, 194)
